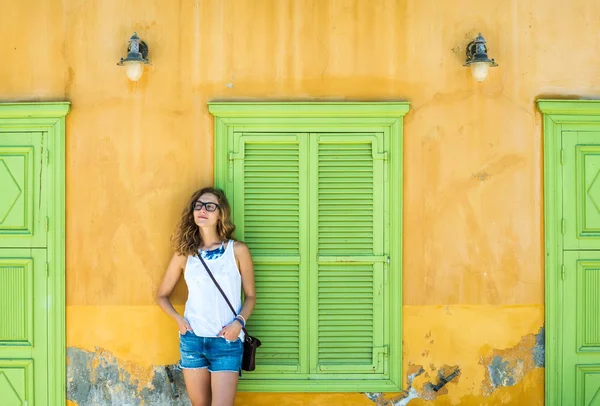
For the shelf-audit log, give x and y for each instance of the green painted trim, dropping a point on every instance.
(395, 176)
(304, 240)
(553, 250)
(50, 118)
(310, 110)
(569, 108)
(34, 110)
(558, 115)
(222, 160)
(312, 312)
(319, 117)
(323, 385)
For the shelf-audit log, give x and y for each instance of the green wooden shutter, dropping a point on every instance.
(270, 214)
(311, 209)
(348, 247)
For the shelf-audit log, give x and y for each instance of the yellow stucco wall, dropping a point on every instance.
(473, 253)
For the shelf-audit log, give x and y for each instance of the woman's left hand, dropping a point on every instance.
(231, 331)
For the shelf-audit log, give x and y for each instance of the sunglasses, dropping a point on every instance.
(198, 205)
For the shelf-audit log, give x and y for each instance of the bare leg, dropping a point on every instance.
(224, 387)
(197, 382)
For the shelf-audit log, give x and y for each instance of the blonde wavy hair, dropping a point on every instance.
(186, 239)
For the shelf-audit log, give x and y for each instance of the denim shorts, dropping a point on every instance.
(213, 353)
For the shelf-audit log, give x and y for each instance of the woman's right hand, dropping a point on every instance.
(184, 325)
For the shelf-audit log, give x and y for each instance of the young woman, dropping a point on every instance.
(211, 336)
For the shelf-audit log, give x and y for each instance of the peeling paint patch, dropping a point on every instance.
(430, 389)
(504, 368)
(539, 349)
(508, 367)
(406, 396)
(420, 386)
(99, 378)
(374, 396)
(445, 374)
(501, 374)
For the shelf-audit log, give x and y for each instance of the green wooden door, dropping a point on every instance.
(23, 269)
(23, 327)
(311, 208)
(581, 268)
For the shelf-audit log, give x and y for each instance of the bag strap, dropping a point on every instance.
(220, 290)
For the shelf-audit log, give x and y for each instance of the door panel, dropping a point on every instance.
(23, 325)
(16, 382)
(581, 321)
(22, 182)
(581, 190)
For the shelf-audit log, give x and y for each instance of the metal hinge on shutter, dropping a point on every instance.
(386, 270)
(383, 350)
(47, 224)
(47, 270)
(562, 226)
(379, 355)
(380, 155)
(562, 272)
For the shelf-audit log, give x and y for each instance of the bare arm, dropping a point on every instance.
(172, 275)
(246, 267)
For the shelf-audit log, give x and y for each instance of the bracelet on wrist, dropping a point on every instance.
(240, 319)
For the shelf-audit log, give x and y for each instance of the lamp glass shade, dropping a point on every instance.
(134, 70)
(479, 70)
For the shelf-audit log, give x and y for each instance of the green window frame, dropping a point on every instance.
(329, 286)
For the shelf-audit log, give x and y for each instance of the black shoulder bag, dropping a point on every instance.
(250, 343)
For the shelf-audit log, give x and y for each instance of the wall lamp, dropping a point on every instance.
(478, 60)
(137, 57)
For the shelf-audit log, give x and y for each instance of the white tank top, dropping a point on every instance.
(206, 310)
